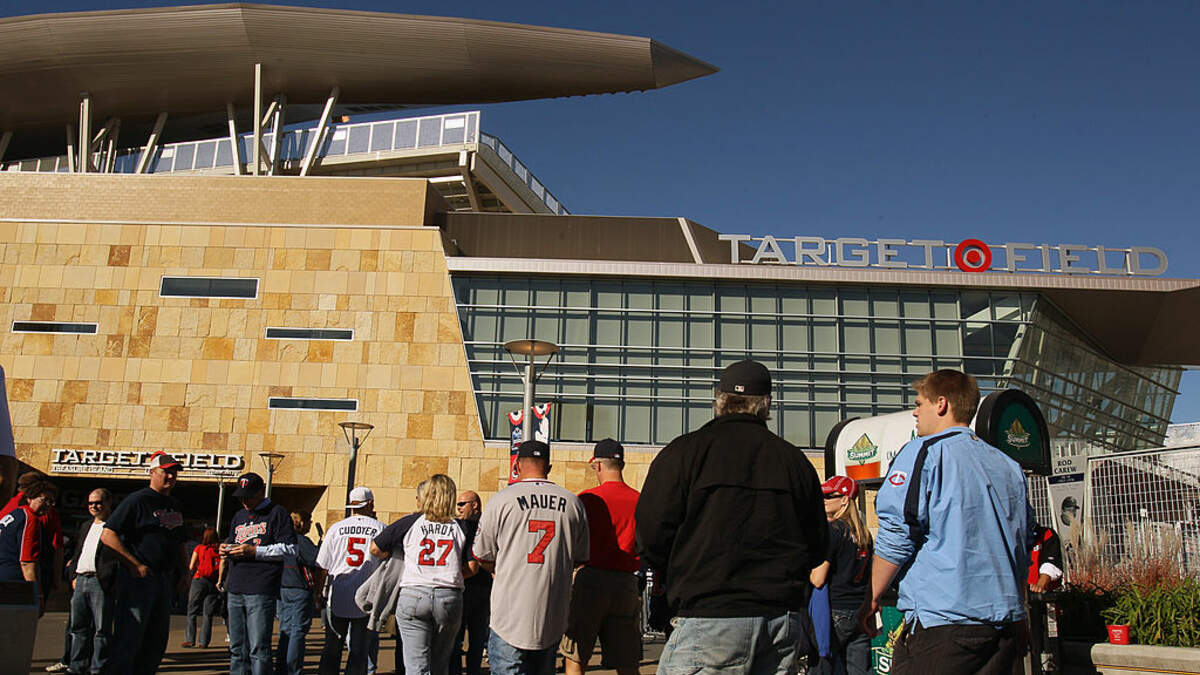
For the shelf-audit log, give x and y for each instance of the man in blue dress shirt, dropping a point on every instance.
(956, 529)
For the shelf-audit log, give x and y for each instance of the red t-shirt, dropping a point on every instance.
(208, 562)
(610, 508)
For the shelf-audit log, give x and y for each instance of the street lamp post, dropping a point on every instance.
(272, 460)
(530, 348)
(351, 431)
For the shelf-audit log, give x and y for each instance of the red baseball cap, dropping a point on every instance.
(161, 460)
(840, 485)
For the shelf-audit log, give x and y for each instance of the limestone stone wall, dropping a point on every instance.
(195, 374)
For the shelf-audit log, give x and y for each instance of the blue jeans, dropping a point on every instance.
(203, 601)
(251, 622)
(142, 623)
(476, 615)
(753, 645)
(91, 612)
(337, 631)
(428, 620)
(506, 659)
(295, 618)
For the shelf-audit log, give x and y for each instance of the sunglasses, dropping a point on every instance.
(465, 503)
(95, 503)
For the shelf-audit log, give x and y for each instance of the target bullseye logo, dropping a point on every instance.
(972, 255)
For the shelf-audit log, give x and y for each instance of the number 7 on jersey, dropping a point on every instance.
(538, 555)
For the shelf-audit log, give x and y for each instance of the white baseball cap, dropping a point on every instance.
(359, 497)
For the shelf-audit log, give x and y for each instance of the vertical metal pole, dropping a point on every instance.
(270, 476)
(527, 414)
(235, 146)
(85, 132)
(220, 504)
(353, 465)
(257, 123)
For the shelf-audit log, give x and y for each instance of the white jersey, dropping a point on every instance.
(433, 554)
(536, 532)
(346, 556)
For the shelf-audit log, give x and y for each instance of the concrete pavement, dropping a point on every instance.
(48, 648)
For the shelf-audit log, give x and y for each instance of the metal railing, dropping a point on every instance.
(341, 140)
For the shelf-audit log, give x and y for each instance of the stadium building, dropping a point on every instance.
(230, 285)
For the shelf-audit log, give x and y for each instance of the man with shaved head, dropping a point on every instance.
(476, 594)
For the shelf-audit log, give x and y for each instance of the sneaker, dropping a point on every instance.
(59, 667)
(187, 644)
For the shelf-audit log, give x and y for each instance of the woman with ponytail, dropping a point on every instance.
(847, 572)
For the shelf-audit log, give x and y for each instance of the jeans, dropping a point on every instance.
(91, 612)
(337, 629)
(851, 647)
(753, 645)
(143, 624)
(506, 659)
(203, 600)
(476, 616)
(295, 618)
(251, 622)
(428, 620)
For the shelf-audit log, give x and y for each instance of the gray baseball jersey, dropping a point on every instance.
(535, 532)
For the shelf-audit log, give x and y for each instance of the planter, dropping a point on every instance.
(1118, 634)
(1110, 659)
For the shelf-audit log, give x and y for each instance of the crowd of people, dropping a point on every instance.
(760, 566)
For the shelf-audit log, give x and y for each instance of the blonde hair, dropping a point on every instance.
(853, 520)
(438, 501)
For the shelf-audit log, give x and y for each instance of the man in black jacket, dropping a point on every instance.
(261, 536)
(94, 570)
(732, 515)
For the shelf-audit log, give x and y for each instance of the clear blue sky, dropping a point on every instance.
(1072, 122)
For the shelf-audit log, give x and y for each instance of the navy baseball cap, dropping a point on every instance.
(249, 484)
(533, 449)
(746, 378)
(608, 449)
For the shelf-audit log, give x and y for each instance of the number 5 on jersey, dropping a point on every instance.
(538, 555)
(356, 551)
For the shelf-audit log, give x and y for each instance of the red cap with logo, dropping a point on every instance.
(840, 485)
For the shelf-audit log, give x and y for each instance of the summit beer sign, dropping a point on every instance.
(968, 255)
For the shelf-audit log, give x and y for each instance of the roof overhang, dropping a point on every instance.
(190, 60)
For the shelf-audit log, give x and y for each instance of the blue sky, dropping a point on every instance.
(1071, 122)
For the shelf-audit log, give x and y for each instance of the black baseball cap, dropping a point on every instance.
(534, 449)
(747, 378)
(249, 484)
(608, 449)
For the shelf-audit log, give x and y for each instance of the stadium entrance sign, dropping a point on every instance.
(133, 463)
(968, 255)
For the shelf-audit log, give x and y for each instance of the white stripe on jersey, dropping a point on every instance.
(433, 554)
(346, 555)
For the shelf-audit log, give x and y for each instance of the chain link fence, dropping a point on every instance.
(1143, 505)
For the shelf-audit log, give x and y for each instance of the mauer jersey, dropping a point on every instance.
(20, 541)
(535, 532)
(346, 555)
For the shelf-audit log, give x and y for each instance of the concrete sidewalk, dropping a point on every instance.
(48, 649)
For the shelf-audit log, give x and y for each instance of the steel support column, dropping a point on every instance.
(319, 133)
(235, 147)
(258, 125)
(151, 144)
(465, 161)
(72, 139)
(85, 133)
(5, 139)
(276, 129)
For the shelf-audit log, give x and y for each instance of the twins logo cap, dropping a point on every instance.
(534, 449)
(161, 460)
(608, 449)
(840, 485)
(359, 497)
(249, 484)
(745, 378)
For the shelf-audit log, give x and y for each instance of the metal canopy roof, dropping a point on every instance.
(195, 59)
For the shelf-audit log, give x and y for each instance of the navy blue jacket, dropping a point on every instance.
(269, 528)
